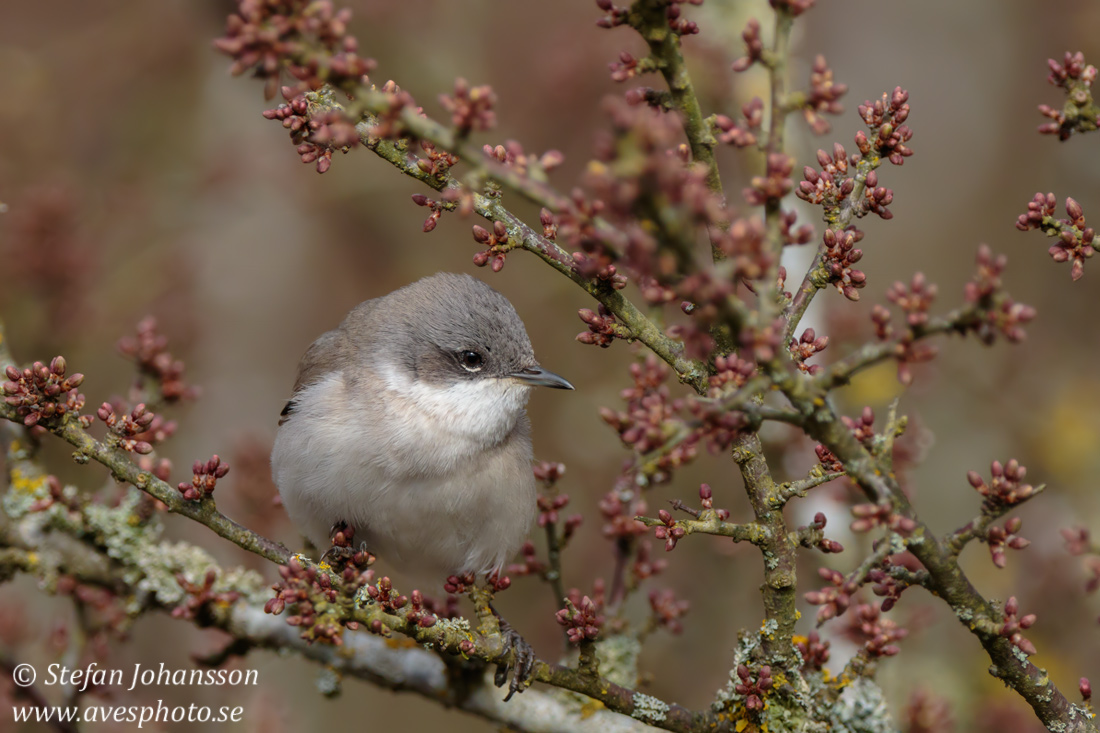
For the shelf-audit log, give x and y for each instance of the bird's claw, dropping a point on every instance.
(337, 555)
(522, 664)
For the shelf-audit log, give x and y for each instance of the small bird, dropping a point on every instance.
(407, 425)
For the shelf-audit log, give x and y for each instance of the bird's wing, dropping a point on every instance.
(326, 354)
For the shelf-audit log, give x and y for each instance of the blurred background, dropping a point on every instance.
(140, 179)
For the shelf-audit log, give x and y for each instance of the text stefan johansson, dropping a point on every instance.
(95, 676)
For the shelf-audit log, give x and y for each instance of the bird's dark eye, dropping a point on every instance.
(471, 360)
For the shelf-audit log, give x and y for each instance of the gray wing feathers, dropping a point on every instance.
(328, 353)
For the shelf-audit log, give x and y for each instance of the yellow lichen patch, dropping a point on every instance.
(590, 708)
(21, 482)
(402, 642)
(800, 639)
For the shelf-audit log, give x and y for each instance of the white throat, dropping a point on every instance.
(482, 411)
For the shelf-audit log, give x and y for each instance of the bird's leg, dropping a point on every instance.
(342, 550)
(522, 660)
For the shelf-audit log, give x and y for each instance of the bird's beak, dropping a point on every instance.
(536, 376)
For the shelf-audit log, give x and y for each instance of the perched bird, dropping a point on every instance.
(407, 424)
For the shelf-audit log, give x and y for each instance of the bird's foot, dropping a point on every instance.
(343, 550)
(521, 665)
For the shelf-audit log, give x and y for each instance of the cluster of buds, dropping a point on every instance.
(614, 14)
(754, 690)
(200, 595)
(42, 392)
(884, 117)
(1075, 240)
(651, 414)
(730, 374)
(603, 327)
(138, 431)
(388, 122)
(386, 596)
(1000, 538)
(1078, 113)
(497, 245)
(829, 462)
(1079, 541)
(458, 584)
(679, 25)
(914, 300)
(717, 426)
(311, 595)
(808, 344)
(619, 507)
(628, 67)
(839, 256)
(204, 479)
(671, 532)
(309, 39)
(754, 46)
(668, 610)
(862, 427)
(774, 184)
(148, 348)
(869, 516)
(999, 313)
(824, 96)
(645, 565)
(512, 155)
(582, 616)
(329, 130)
(885, 585)
(419, 610)
(1007, 487)
(471, 108)
(745, 246)
(437, 163)
(763, 343)
(531, 564)
(815, 534)
(835, 599)
(742, 133)
(435, 207)
(1070, 69)
(548, 512)
(879, 633)
(813, 650)
(1014, 624)
(832, 186)
(548, 472)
